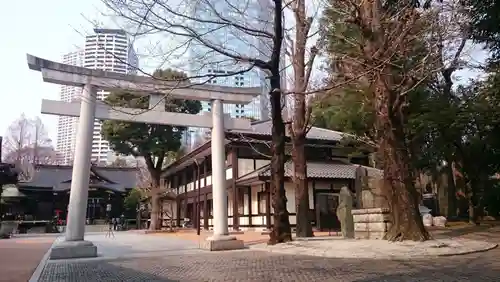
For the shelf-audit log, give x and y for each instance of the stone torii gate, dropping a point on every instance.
(89, 108)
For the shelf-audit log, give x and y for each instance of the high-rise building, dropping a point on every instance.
(107, 50)
(204, 61)
(66, 126)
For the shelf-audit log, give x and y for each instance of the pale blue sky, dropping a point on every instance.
(46, 29)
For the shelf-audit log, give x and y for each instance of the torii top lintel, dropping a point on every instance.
(64, 74)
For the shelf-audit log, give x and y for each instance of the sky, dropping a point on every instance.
(46, 29)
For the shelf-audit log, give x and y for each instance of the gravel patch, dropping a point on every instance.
(378, 249)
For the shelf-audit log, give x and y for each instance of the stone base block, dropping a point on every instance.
(73, 249)
(374, 235)
(222, 243)
(371, 226)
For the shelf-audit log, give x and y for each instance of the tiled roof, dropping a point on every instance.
(264, 128)
(336, 170)
(59, 178)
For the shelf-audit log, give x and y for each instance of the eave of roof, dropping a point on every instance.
(260, 129)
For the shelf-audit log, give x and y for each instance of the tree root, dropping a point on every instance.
(273, 239)
(397, 235)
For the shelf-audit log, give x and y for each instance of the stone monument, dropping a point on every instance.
(344, 213)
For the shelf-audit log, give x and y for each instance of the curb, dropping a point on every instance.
(494, 246)
(41, 265)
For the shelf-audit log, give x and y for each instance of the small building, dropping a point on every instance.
(332, 162)
(49, 189)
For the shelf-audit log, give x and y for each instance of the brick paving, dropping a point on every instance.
(249, 265)
(261, 266)
(19, 257)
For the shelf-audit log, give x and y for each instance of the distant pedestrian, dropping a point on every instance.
(115, 223)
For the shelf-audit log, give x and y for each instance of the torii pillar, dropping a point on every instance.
(89, 109)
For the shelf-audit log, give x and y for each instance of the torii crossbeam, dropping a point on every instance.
(89, 108)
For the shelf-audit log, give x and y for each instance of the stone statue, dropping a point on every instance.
(344, 213)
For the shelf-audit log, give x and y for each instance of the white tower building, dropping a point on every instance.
(108, 50)
(66, 126)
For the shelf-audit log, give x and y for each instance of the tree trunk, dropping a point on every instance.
(398, 186)
(281, 231)
(451, 190)
(473, 203)
(304, 227)
(155, 209)
(155, 202)
(138, 217)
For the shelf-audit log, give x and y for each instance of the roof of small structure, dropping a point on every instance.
(315, 133)
(58, 178)
(11, 191)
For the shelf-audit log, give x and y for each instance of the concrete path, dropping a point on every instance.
(128, 244)
(19, 257)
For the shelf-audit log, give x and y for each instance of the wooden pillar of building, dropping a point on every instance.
(175, 183)
(184, 182)
(195, 216)
(249, 192)
(234, 166)
(206, 213)
(268, 205)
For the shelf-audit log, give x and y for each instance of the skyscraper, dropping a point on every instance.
(66, 126)
(107, 50)
(204, 62)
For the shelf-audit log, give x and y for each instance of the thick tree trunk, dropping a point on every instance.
(281, 231)
(401, 193)
(398, 186)
(304, 227)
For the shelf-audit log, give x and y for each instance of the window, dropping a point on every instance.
(241, 201)
(262, 199)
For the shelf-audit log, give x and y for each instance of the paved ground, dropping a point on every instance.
(126, 244)
(250, 238)
(251, 265)
(20, 256)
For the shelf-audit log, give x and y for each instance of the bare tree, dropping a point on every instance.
(27, 144)
(208, 30)
(452, 46)
(302, 59)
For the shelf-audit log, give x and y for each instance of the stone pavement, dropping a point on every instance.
(19, 257)
(185, 264)
(263, 266)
